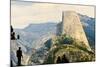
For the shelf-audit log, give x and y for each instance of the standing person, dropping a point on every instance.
(58, 60)
(19, 56)
(13, 36)
(11, 29)
(18, 37)
(11, 63)
(64, 59)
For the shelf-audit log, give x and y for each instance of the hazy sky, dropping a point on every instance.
(24, 13)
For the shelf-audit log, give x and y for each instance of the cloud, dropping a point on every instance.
(23, 13)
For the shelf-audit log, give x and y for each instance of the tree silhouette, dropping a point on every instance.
(64, 59)
(58, 60)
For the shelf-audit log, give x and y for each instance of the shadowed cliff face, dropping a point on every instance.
(72, 26)
(26, 51)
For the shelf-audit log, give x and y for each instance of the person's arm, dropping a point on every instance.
(21, 54)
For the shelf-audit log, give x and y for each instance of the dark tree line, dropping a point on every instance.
(62, 59)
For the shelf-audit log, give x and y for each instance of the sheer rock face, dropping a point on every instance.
(72, 26)
(15, 44)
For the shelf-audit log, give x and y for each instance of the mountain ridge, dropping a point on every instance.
(33, 34)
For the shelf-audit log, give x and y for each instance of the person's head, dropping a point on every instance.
(59, 57)
(19, 48)
(64, 55)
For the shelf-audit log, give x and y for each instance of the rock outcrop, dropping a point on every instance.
(72, 26)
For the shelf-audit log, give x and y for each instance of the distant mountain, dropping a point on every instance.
(40, 28)
(36, 32)
(89, 28)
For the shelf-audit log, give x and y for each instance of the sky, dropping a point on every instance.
(25, 13)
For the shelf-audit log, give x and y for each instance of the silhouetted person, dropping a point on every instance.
(19, 56)
(11, 29)
(12, 33)
(18, 37)
(11, 63)
(64, 59)
(58, 60)
(13, 36)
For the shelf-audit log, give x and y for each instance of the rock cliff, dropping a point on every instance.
(72, 26)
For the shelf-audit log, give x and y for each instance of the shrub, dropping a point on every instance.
(63, 39)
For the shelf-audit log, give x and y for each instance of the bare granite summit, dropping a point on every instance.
(72, 26)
